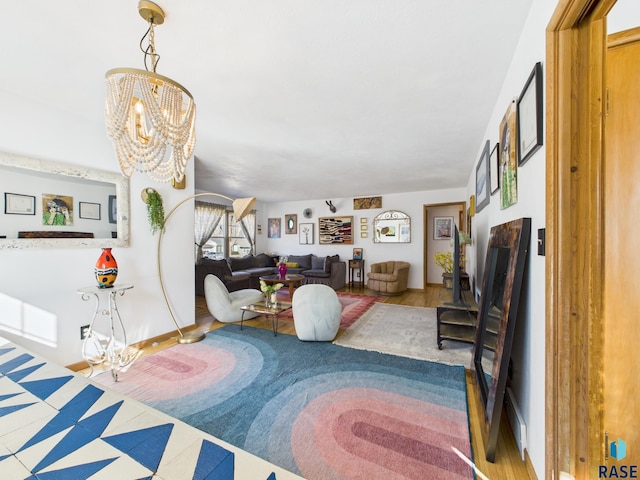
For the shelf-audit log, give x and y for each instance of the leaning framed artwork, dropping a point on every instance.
(335, 230)
(483, 179)
(442, 228)
(17, 204)
(530, 116)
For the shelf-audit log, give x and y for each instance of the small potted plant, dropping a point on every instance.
(445, 261)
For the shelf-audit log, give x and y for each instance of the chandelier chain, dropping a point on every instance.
(150, 50)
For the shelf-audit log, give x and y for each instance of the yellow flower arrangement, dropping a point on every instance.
(269, 290)
(444, 261)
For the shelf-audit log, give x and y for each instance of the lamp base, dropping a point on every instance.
(192, 337)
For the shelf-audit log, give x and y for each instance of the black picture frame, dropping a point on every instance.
(494, 168)
(529, 116)
(18, 204)
(88, 210)
(483, 179)
(113, 209)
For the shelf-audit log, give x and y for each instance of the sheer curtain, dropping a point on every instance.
(248, 225)
(207, 217)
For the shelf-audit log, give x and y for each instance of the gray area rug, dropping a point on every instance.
(404, 331)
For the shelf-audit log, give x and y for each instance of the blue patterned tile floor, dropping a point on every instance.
(57, 425)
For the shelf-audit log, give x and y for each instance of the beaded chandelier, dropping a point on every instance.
(150, 118)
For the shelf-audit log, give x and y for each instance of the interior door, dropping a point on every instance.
(621, 295)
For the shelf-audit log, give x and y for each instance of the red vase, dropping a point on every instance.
(106, 269)
(282, 269)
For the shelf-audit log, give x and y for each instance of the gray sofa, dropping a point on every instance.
(245, 272)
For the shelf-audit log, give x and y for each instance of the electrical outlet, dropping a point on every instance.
(84, 331)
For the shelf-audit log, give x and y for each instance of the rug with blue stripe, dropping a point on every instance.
(320, 410)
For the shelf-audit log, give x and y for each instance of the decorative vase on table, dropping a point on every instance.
(282, 269)
(106, 269)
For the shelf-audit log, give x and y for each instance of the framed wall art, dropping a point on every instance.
(89, 211)
(367, 202)
(113, 209)
(57, 209)
(494, 165)
(508, 167)
(335, 230)
(442, 228)
(17, 204)
(291, 223)
(305, 236)
(530, 116)
(273, 227)
(483, 179)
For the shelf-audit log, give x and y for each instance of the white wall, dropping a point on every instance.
(410, 203)
(48, 278)
(528, 353)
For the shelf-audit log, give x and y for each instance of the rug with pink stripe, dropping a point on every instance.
(320, 410)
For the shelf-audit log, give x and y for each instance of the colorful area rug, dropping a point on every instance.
(316, 409)
(353, 306)
(406, 331)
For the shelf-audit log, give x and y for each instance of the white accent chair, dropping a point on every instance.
(225, 306)
(316, 313)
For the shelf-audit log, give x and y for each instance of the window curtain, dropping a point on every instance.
(207, 218)
(248, 225)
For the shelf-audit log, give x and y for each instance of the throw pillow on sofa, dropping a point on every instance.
(329, 260)
(244, 263)
(303, 261)
(317, 263)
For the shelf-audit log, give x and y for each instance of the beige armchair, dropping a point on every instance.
(389, 278)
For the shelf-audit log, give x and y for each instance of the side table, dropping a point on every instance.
(272, 310)
(456, 322)
(356, 265)
(108, 347)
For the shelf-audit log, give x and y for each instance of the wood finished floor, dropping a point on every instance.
(508, 465)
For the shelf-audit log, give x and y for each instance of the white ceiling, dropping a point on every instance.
(296, 99)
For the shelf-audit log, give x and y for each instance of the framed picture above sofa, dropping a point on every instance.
(291, 223)
(335, 230)
(273, 225)
(305, 234)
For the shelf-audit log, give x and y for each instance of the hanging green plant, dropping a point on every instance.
(155, 209)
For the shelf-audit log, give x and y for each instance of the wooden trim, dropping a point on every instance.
(622, 38)
(575, 90)
(76, 367)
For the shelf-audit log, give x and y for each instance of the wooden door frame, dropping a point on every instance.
(575, 51)
(425, 216)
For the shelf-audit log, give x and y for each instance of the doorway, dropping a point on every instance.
(432, 273)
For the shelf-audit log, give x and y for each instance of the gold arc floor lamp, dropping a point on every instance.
(241, 207)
